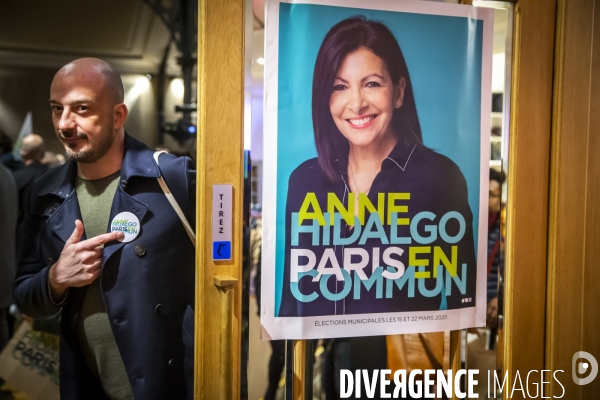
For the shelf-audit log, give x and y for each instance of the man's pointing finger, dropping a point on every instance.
(102, 239)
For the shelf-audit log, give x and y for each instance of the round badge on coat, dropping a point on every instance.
(127, 223)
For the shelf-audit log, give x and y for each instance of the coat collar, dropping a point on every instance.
(137, 161)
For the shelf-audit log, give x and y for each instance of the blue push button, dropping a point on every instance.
(221, 250)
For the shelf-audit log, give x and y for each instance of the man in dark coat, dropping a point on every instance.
(8, 219)
(127, 295)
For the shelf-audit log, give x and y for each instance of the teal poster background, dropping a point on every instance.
(444, 58)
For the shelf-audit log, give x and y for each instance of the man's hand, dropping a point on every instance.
(79, 263)
(492, 313)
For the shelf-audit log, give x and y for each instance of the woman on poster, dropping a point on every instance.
(410, 246)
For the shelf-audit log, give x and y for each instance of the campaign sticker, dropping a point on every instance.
(127, 223)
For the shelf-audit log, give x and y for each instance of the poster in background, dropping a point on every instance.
(408, 254)
(29, 362)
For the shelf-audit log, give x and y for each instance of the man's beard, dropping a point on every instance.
(96, 149)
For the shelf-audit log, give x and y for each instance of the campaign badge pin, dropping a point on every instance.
(127, 223)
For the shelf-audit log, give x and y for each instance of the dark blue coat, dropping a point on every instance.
(147, 284)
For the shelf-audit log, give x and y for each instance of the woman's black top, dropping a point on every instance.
(436, 185)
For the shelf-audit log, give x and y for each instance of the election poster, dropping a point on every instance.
(377, 121)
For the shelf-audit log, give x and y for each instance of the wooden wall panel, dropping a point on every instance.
(591, 291)
(573, 321)
(530, 133)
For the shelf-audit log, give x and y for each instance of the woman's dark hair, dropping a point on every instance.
(498, 176)
(344, 38)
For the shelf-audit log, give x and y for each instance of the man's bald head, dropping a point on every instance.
(88, 113)
(95, 69)
(32, 148)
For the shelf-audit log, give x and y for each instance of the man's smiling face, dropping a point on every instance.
(82, 112)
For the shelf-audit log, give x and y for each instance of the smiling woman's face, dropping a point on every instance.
(364, 98)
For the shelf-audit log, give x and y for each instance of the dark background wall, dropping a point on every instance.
(24, 89)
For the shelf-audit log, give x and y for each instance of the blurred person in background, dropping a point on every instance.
(8, 220)
(481, 351)
(495, 246)
(32, 152)
(52, 160)
(6, 156)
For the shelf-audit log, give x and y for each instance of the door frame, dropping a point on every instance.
(220, 148)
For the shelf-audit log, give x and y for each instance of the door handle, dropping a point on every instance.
(224, 283)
